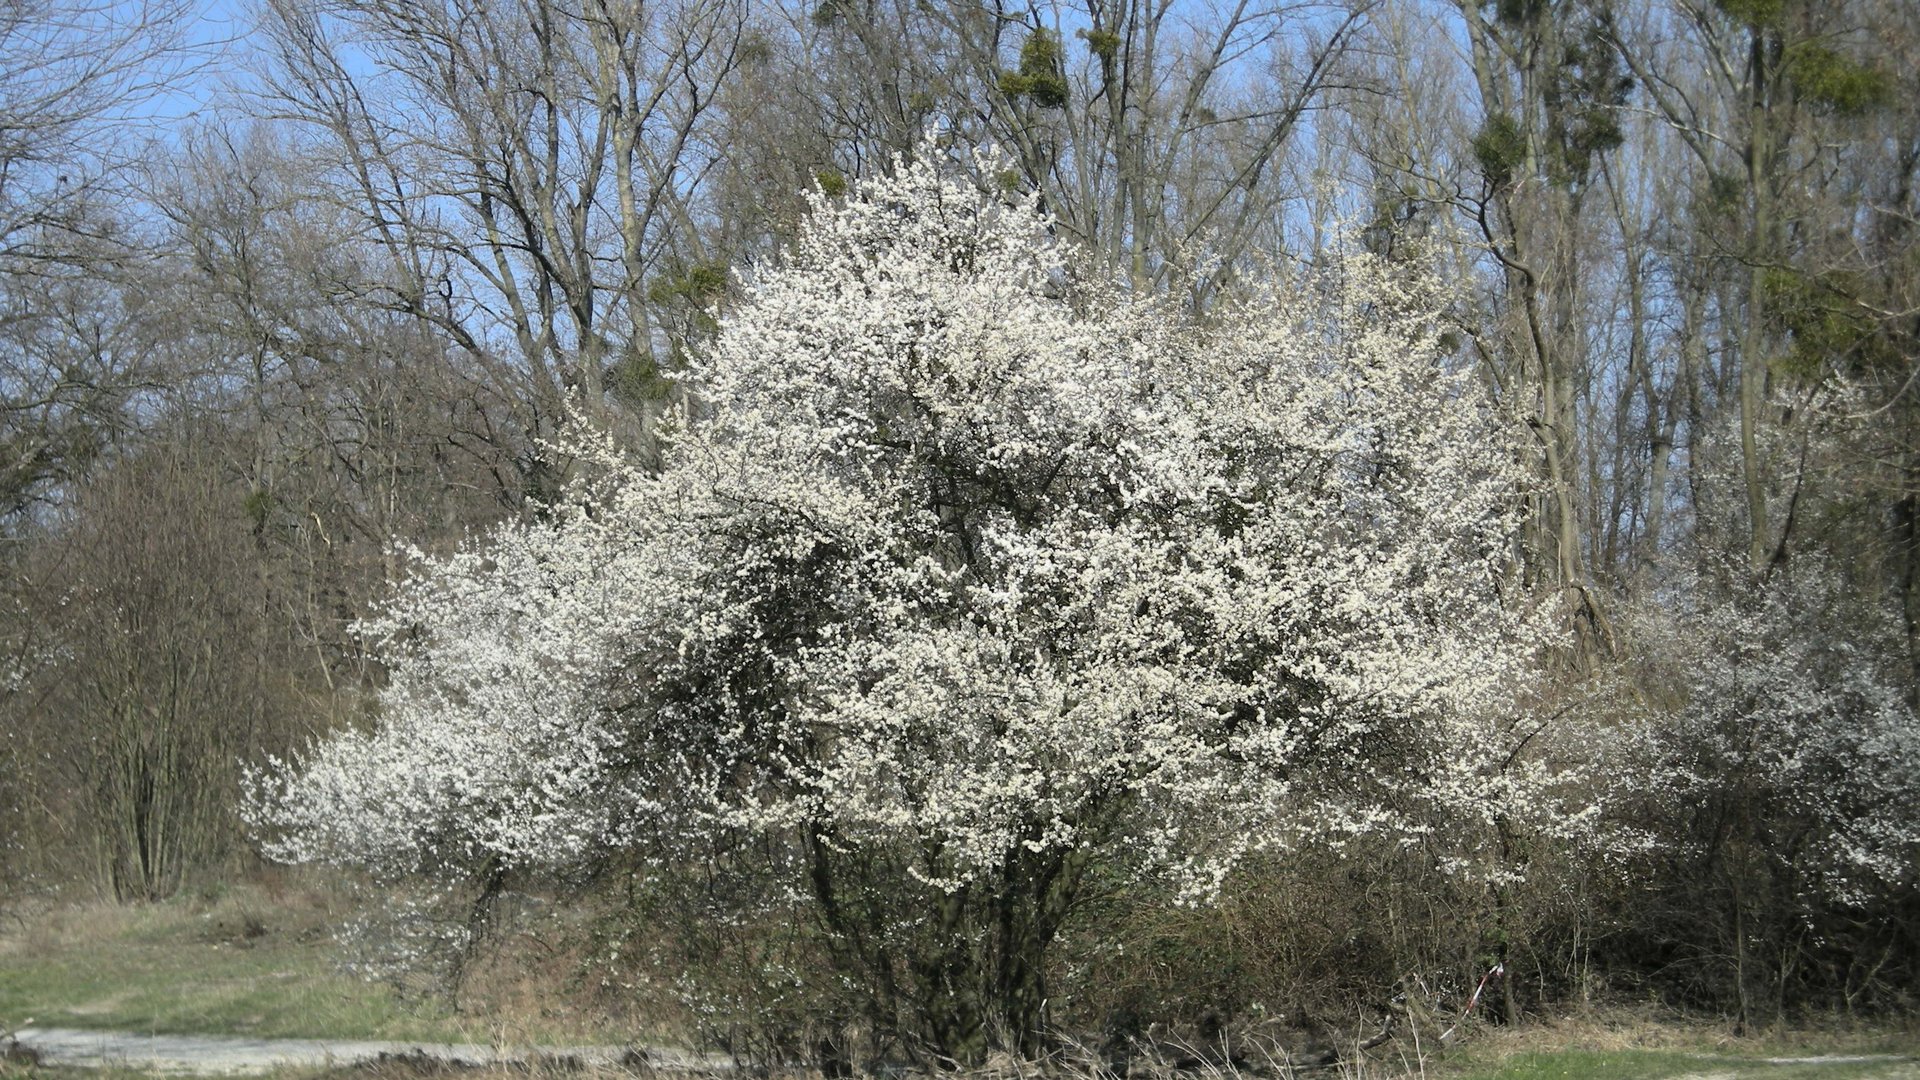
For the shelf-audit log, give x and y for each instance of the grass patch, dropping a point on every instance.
(1628, 1043)
(1672, 1065)
(228, 967)
(1587, 1065)
(249, 962)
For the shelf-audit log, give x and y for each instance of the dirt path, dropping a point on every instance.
(208, 1055)
(230, 1055)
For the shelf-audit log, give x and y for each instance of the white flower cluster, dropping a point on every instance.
(1791, 734)
(958, 552)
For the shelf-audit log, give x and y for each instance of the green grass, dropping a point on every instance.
(1586, 1065)
(1667, 1064)
(246, 965)
(150, 974)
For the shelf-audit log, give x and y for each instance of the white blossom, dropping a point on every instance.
(960, 553)
(1786, 726)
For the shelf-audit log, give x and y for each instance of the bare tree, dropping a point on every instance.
(1151, 130)
(72, 72)
(162, 666)
(523, 175)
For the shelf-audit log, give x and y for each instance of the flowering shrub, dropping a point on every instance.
(967, 583)
(1772, 783)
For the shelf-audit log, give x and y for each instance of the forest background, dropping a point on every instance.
(250, 350)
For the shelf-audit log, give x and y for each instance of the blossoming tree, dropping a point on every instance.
(1774, 778)
(967, 581)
